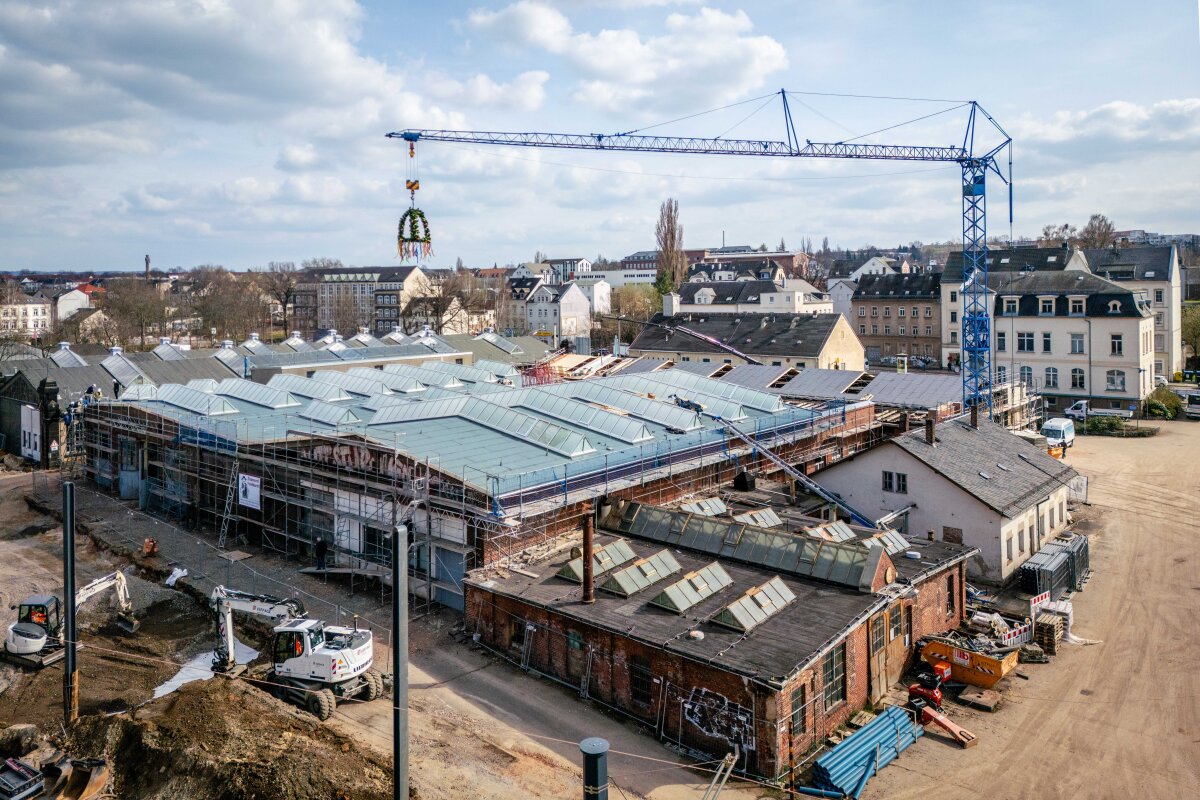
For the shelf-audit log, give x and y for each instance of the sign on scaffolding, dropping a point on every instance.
(250, 491)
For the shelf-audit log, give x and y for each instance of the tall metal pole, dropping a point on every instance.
(71, 673)
(399, 658)
(595, 768)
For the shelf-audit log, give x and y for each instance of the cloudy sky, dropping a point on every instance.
(231, 132)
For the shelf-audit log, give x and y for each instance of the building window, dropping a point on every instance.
(1027, 375)
(1114, 380)
(798, 715)
(1051, 377)
(1077, 344)
(874, 311)
(1117, 344)
(862, 311)
(1046, 342)
(953, 337)
(896, 620)
(900, 311)
(639, 680)
(878, 634)
(1010, 306)
(1001, 374)
(874, 330)
(887, 311)
(1114, 307)
(1158, 319)
(862, 329)
(1158, 297)
(887, 330)
(1021, 538)
(954, 316)
(951, 595)
(895, 482)
(1001, 341)
(1077, 381)
(953, 297)
(833, 676)
(1009, 547)
(928, 311)
(915, 311)
(1046, 306)
(1025, 342)
(902, 330)
(1077, 306)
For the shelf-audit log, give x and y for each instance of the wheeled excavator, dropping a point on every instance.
(35, 639)
(314, 665)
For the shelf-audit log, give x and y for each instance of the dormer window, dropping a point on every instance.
(1114, 307)
(1077, 306)
(1046, 306)
(1010, 306)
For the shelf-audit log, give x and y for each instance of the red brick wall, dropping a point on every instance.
(929, 606)
(704, 708)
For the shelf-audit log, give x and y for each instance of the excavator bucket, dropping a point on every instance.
(85, 780)
(128, 623)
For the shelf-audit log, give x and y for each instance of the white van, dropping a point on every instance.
(1059, 432)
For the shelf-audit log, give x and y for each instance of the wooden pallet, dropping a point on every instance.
(1048, 632)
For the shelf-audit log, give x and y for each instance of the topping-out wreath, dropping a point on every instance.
(413, 241)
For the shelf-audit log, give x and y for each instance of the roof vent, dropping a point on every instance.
(64, 345)
(254, 337)
(227, 344)
(337, 337)
(116, 350)
(164, 340)
(295, 334)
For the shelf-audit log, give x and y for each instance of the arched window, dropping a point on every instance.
(1051, 377)
(1114, 307)
(1114, 380)
(1077, 381)
(1027, 375)
(1001, 374)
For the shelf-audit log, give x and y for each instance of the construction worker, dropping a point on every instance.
(320, 551)
(38, 616)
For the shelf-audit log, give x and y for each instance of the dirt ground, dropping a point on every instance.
(1112, 720)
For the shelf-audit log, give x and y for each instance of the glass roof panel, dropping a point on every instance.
(257, 393)
(319, 411)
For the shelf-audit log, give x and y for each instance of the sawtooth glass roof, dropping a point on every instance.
(194, 401)
(611, 556)
(692, 588)
(355, 384)
(256, 393)
(307, 387)
(641, 573)
(755, 606)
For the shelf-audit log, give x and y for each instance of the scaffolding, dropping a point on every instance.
(352, 489)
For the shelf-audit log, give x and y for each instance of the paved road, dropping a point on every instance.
(1120, 718)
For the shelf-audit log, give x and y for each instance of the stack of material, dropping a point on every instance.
(1076, 548)
(1048, 632)
(847, 767)
(1048, 570)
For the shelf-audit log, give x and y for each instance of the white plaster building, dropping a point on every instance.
(983, 487)
(558, 310)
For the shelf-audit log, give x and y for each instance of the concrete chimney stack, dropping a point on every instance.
(974, 415)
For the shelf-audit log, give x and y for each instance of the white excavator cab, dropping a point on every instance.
(309, 649)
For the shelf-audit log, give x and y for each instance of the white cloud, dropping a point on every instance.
(703, 58)
(525, 92)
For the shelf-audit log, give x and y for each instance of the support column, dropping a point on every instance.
(68, 631)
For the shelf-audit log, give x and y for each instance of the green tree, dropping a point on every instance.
(668, 234)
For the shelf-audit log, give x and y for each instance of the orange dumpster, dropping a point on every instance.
(967, 666)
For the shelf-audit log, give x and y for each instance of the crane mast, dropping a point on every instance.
(975, 163)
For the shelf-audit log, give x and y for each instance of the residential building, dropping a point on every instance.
(687, 630)
(641, 261)
(354, 297)
(597, 290)
(569, 269)
(794, 264)
(1156, 271)
(978, 486)
(758, 269)
(791, 296)
(1074, 335)
(841, 294)
(1002, 265)
(898, 314)
(618, 277)
(852, 269)
(784, 339)
(24, 315)
(67, 302)
(558, 311)
(542, 270)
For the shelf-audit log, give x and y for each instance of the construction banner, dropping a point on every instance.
(250, 491)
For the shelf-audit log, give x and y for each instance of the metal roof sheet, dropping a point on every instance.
(320, 411)
(307, 387)
(667, 414)
(356, 384)
(750, 398)
(257, 393)
(194, 401)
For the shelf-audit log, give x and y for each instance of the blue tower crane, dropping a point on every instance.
(975, 164)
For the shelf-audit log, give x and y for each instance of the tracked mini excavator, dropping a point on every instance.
(314, 665)
(35, 639)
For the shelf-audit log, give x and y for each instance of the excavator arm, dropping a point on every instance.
(225, 601)
(115, 581)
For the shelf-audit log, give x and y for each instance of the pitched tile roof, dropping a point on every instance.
(1132, 263)
(728, 292)
(796, 335)
(903, 286)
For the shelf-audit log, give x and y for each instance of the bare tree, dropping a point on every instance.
(539, 257)
(279, 282)
(446, 304)
(321, 263)
(135, 306)
(1056, 235)
(234, 305)
(1098, 232)
(668, 234)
